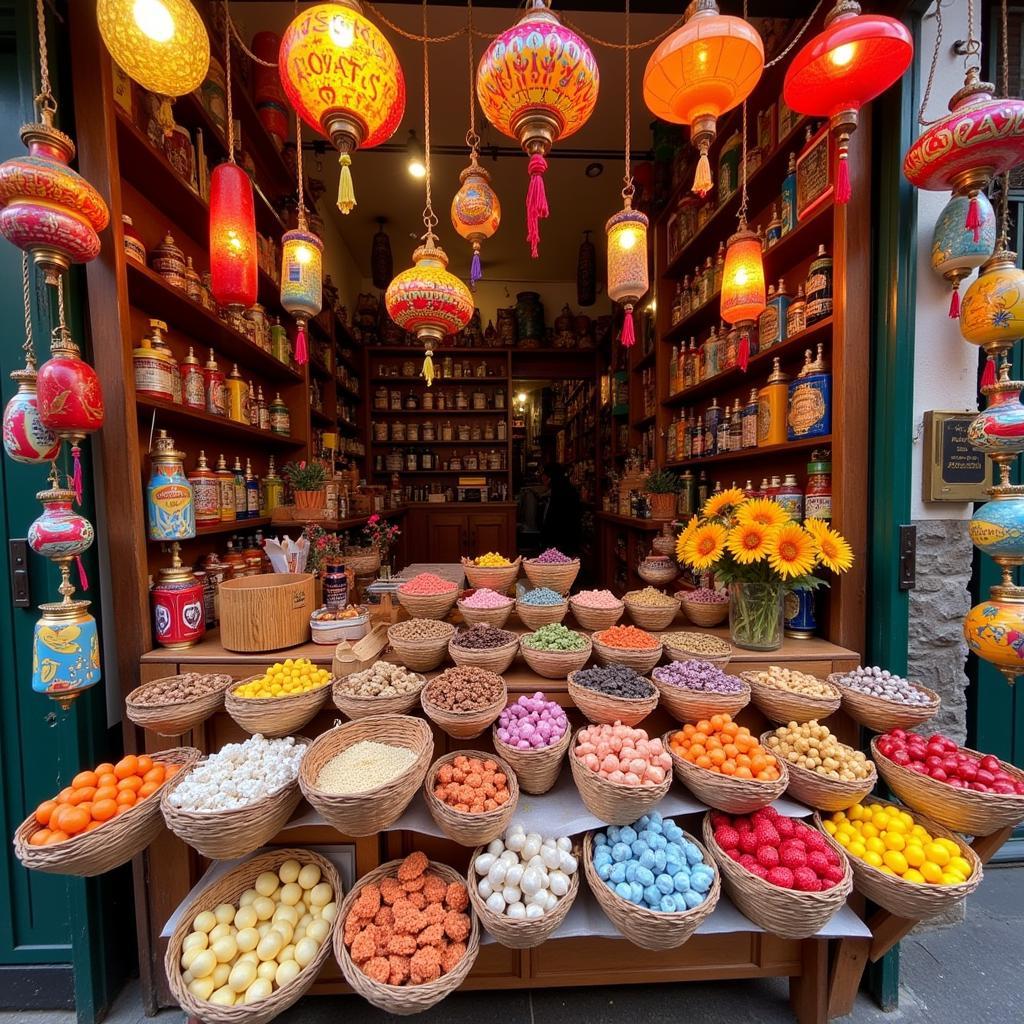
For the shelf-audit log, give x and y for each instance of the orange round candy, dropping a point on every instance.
(44, 811)
(128, 765)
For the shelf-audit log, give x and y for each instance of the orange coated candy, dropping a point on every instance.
(719, 745)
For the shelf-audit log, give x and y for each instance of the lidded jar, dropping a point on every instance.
(179, 605)
(169, 501)
(65, 647)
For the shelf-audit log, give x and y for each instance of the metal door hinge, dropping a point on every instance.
(908, 557)
(18, 553)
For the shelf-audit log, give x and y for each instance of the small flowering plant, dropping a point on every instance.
(306, 476)
(324, 547)
(381, 534)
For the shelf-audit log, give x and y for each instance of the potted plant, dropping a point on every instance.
(307, 481)
(752, 545)
(661, 487)
(382, 534)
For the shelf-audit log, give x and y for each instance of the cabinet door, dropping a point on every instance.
(490, 531)
(447, 537)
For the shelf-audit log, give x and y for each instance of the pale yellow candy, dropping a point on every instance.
(247, 897)
(249, 957)
(199, 940)
(308, 876)
(247, 939)
(266, 883)
(330, 912)
(223, 997)
(243, 974)
(258, 990)
(286, 972)
(305, 951)
(220, 975)
(267, 969)
(189, 957)
(225, 949)
(201, 988)
(204, 922)
(286, 913)
(203, 963)
(245, 917)
(220, 931)
(264, 907)
(321, 894)
(318, 930)
(270, 945)
(291, 894)
(224, 912)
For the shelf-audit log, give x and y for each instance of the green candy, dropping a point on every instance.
(555, 637)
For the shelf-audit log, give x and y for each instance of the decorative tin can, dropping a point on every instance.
(800, 620)
(216, 394)
(257, 316)
(791, 498)
(818, 497)
(216, 573)
(193, 385)
(712, 419)
(279, 345)
(179, 606)
(238, 396)
(788, 206)
(205, 493)
(238, 490)
(280, 418)
(225, 491)
(796, 314)
(159, 342)
(819, 287)
(810, 399)
(168, 260)
(65, 649)
(169, 504)
(335, 581)
(134, 247)
(771, 407)
(773, 319)
(774, 231)
(273, 489)
(729, 167)
(151, 366)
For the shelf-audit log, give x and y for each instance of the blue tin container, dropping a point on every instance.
(65, 651)
(170, 508)
(788, 214)
(810, 400)
(800, 617)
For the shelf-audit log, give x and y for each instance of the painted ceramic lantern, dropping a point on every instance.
(46, 208)
(70, 396)
(59, 532)
(26, 439)
(65, 651)
(301, 282)
(627, 264)
(992, 311)
(994, 630)
(956, 253)
(997, 528)
(998, 430)
(476, 212)
(179, 610)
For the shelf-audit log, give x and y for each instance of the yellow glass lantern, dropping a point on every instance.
(627, 263)
(708, 66)
(992, 310)
(301, 282)
(476, 212)
(743, 278)
(161, 44)
(342, 77)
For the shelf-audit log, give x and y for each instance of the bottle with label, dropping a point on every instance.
(684, 436)
(205, 493)
(791, 498)
(273, 489)
(819, 287)
(719, 269)
(768, 321)
(193, 386)
(252, 492)
(818, 498)
(711, 361)
(796, 315)
(237, 389)
(279, 347)
(215, 392)
(771, 489)
(241, 499)
(253, 405)
(777, 308)
(159, 342)
(152, 366)
(736, 427)
(688, 494)
(262, 410)
(810, 398)
(749, 426)
(685, 298)
(712, 419)
(670, 439)
(134, 247)
(772, 401)
(702, 488)
(774, 232)
(280, 418)
(789, 197)
(673, 371)
(724, 433)
(171, 512)
(225, 491)
(335, 581)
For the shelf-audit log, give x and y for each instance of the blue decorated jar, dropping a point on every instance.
(170, 506)
(65, 651)
(955, 251)
(997, 528)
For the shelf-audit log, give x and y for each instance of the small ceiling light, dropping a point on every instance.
(414, 160)
(594, 170)
(521, 397)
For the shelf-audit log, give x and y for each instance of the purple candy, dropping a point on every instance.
(532, 722)
(552, 557)
(700, 676)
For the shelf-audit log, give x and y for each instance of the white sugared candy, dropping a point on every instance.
(238, 955)
(525, 875)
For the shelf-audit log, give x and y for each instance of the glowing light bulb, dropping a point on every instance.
(842, 55)
(303, 254)
(741, 277)
(521, 398)
(417, 169)
(627, 238)
(341, 32)
(234, 241)
(154, 20)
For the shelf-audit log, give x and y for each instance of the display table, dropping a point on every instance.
(587, 953)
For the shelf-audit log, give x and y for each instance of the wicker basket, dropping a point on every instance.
(103, 849)
(779, 705)
(497, 577)
(683, 652)
(403, 1000)
(596, 618)
(428, 606)
(463, 725)
(726, 792)
(962, 810)
(602, 708)
(881, 715)
(538, 768)
(490, 616)
(821, 792)
(701, 613)
(365, 707)
(642, 661)
(693, 705)
(175, 719)
(460, 826)
(363, 565)
(652, 616)
(494, 659)
(555, 664)
(650, 929)
(520, 934)
(555, 577)
(533, 616)
(226, 835)
(421, 655)
(657, 574)
(911, 899)
(274, 716)
(227, 889)
(371, 810)
(611, 801)
(785, 912)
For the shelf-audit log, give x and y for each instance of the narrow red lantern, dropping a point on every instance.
(856, 58)
(233, 266)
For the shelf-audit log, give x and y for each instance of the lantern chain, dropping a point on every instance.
(921, 119)
(245, 49)
(45, 99)
(227, 86)
(429, 217)
(421, 38)
(1004, 88)
(741, 215)
(796, 39)
(26, 298)
(972, 48)
(472, 138)
(300, 173)
(61, 324)
(628, 188)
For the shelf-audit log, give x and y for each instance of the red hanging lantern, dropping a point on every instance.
(233, 264)
(537, 82)
(856, 58)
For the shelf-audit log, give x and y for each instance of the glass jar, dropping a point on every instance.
(429, 432)
(756, 615)
(412, 432)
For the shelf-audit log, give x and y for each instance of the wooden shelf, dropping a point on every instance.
(193, 419)
(499, 413)
(163, 301)
(235, 524)
(727, 378)
(440, 381)
(345, 389)
(319, 369)
(347, 426)
(754, 453)
(444, 472)
(437, 444)
(320, 418)
(644, 421)
(441, 353)
(347, 363)
(645, 360)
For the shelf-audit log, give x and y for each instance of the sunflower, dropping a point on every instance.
(833, 550)
(705, 546)
(684, 537)
(815, 527)
(791, 551)
(748, 542)
(763, 511)
(717, 504)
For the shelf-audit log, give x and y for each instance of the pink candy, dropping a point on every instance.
(704, 595)
(486, 598)
(596, 599)
(532, 722)
(621, 754)
(427, 583)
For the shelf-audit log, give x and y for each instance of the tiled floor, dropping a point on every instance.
(967, 974)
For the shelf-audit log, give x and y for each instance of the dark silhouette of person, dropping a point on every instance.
(560, 527)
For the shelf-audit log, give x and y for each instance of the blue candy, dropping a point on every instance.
(700, 880)
(678, 903)
(672, 831)
(656, 824)
(639, 847)
(623, 889)
(603, 855)
(652, 896)
(667, 905)
(664, 883)
(642, 821)
(613, 834)
(631, 869)
(636, 892)
(617, 873)
(693, 855)
(627, 834)
(604, 871)
(681, 881)
(658, 842)
(620, 852)
(644, 876)
(648, 859)
(660, 860)
(693, 899)
(600, 839)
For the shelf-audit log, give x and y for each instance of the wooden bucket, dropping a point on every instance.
(267, 612)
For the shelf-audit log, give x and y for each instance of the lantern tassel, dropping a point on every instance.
(76, 472)
(536, 202)
(428, 366)
(743, 352)
(628, 336)
(973, 222)
(954, 302)
(83, 580)
(301, 348)
(843, 190)
(475, 268)
(988, 376)
(702, 181)
(346, 191)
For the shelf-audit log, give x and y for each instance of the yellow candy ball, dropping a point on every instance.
(895, 860)
(937, 853)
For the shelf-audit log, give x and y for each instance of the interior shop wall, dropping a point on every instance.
(945, 378)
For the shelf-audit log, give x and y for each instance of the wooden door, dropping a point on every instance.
(447, 537)
(490, 531)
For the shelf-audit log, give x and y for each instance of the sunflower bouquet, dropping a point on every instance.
(753, 545)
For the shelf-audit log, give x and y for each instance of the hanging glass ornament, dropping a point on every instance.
(476, 212)
(59, 532)
(382, 264)
(537, 82)
(343, 79)
(956, 253)
(992, 310)
(586, 272)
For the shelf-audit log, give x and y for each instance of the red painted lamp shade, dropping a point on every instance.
(854, 59)
(233, 266)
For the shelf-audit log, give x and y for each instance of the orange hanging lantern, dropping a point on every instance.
(708, 66)
(537, 82)
(341, 75)
(856, 58)
(743, 297)
(476, 212)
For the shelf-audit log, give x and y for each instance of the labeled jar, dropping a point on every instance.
(819, 287)
(280, 417)
(151, 367)
(818, 498)
(134, 247)
(205, 493)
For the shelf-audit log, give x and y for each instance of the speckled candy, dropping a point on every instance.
(427, 583)
(623, 755)
(596, 599)
(541, 596)
(699, 676)
(552, 557)
(615, 681)
(555, 637)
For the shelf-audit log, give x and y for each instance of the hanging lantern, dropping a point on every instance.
(537, 82)
(706, 67)
(856, 58)
(342, 77)
(233, 264)
(476, 212)
(26, 439)
(743, 295)
(382, 264)
(586, 272)
(994, 629)
(992, 310)
(627, 263)
(59, 532)
(429, 301)
(161, 44)
(302, 255)
(956, 253)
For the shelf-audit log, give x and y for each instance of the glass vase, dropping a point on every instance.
(756, 616)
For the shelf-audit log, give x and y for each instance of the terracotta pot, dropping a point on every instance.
(663, 506)
(310, 499)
